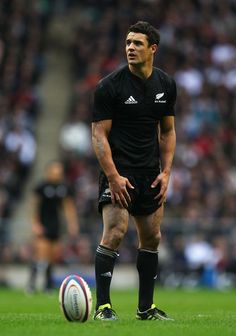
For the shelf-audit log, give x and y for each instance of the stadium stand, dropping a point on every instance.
(22, 37)
(198, 48)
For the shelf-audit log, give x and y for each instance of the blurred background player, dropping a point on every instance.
(52, 198)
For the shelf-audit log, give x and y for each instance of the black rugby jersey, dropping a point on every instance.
(51, 196)
(135, 107)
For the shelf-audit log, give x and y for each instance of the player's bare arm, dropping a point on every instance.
(167, 149)
(117, 183)
(71, 216)
(37, 227)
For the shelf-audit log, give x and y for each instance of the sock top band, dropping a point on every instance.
(104, 250)
(149, 251)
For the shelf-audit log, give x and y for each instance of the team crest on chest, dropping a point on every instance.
(158, 98)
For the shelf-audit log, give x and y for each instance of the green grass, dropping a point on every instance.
(199, 312)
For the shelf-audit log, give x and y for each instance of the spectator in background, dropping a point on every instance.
(51, 196)
(76, 136)
(21, 143)
(23, 25)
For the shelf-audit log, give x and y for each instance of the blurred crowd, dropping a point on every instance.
(23, 26)
(198, 48)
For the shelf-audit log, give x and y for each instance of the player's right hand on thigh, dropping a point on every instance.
(119, 194)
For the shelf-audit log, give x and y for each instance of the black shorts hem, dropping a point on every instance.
(144, 212)
(54, 237)
(101, 205)
(133, 213)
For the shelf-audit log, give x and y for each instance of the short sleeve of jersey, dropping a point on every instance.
(172, 98)
(38, 189)
(103, 104)
(70, 191)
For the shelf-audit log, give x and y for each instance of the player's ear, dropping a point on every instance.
(154, 48)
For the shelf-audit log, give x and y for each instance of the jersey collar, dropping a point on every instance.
(140, 80)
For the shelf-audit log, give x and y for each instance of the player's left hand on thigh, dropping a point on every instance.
(162, 179)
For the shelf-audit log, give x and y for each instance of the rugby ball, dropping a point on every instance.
(75, 299)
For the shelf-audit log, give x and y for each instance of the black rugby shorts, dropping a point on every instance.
(142, 196)
(51, 233)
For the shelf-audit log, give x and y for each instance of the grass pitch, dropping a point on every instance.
(199, 312)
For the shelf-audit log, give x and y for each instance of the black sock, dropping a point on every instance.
(104, 265)
(147, 262)
(40, 267)
(33, 275)
(48, 277)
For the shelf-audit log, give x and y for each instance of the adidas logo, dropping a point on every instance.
(107, 274)
(107, 193)
(131, 100)
(158, 97)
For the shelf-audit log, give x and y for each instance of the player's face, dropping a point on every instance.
(55, 172)
(138, 51)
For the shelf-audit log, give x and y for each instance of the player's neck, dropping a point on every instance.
(143, 72)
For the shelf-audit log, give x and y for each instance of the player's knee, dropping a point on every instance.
(117, 236)
(114, 238)
(152, 241)
(156, 239)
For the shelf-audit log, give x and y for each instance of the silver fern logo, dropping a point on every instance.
(158, 97)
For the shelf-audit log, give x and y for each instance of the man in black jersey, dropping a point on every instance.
(134, 140)
(52, 197)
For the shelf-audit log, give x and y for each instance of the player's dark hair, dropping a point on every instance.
(52, 162)
(153, 35)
